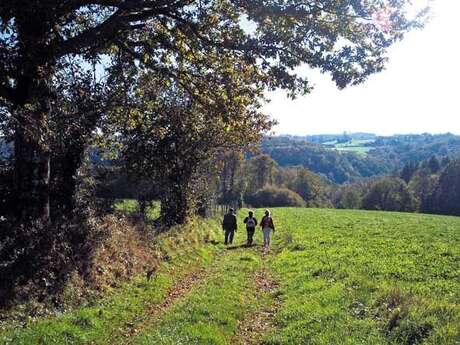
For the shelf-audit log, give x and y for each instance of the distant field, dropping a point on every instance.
(331, 277)
(354, 145)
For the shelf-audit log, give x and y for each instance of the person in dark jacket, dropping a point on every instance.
(229, 226)
(267, 227)
(251, 223)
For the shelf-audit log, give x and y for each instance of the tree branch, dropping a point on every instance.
(100, 34)
(6, 92)
(129, 16)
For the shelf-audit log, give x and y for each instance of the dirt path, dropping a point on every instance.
(255, 326)
(154, 312)
(251, 329)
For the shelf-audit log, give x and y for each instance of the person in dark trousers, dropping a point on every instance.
(251, 223)
(229, 226)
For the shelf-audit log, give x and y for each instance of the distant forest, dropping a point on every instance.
(332, 158)
(329, 155)
(411, 173)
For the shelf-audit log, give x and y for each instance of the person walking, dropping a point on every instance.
(229, 225)
(267, 227)
(251, 223)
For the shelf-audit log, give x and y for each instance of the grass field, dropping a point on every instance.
(131, 207)
(357, 146)
(331, 277)
(357, 277)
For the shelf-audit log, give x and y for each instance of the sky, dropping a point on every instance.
(418, 92)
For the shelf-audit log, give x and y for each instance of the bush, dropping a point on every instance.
(275, 197)
(37, 258)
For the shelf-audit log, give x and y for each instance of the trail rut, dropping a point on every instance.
(253, 328)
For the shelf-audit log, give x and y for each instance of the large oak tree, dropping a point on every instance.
(347, 38)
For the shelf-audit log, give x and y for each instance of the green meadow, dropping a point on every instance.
(360, 277)
(330, 277)
(358, 146)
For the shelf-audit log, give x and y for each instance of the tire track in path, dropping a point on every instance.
(253, 328)
(181, 289)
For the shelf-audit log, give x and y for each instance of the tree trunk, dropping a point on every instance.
(175, 207)
(64, 167)
(32, 168)
(32, 107)
(31, 150)
(176, 201)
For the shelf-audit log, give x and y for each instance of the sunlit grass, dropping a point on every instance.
(131, 207)
(210, 314)
(184, 250)
(345, 277)
(355, 145)
(357, 277)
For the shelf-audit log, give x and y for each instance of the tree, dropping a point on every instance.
(445, 161)
(389, 194)
(82, 103)
(350, 199)
(408, 171)
(172, 137)
(423, 185)
(231, 179)
(271, 196)
(433, 164)
(261, 171)
(310, 187)
(447, 194)
(50, 252)
(346, 38)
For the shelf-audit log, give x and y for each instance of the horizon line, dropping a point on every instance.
(364, 132)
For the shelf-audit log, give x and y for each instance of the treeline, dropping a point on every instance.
(431, 186)
(386, 154)
(324, 138)
(398, 150)
(260, 182)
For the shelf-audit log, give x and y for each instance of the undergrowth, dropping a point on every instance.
(121, 273)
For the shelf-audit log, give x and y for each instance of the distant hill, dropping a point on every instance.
(346, 157)
(343, 157)
(400, 149)
(336, 166)
(324, 138)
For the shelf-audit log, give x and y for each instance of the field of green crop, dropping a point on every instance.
(331, 277)
(358, 146)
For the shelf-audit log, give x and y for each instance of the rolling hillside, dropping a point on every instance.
(347, 158)
(331, 277)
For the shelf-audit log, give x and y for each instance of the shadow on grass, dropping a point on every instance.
(213, 242)
(241, 246)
